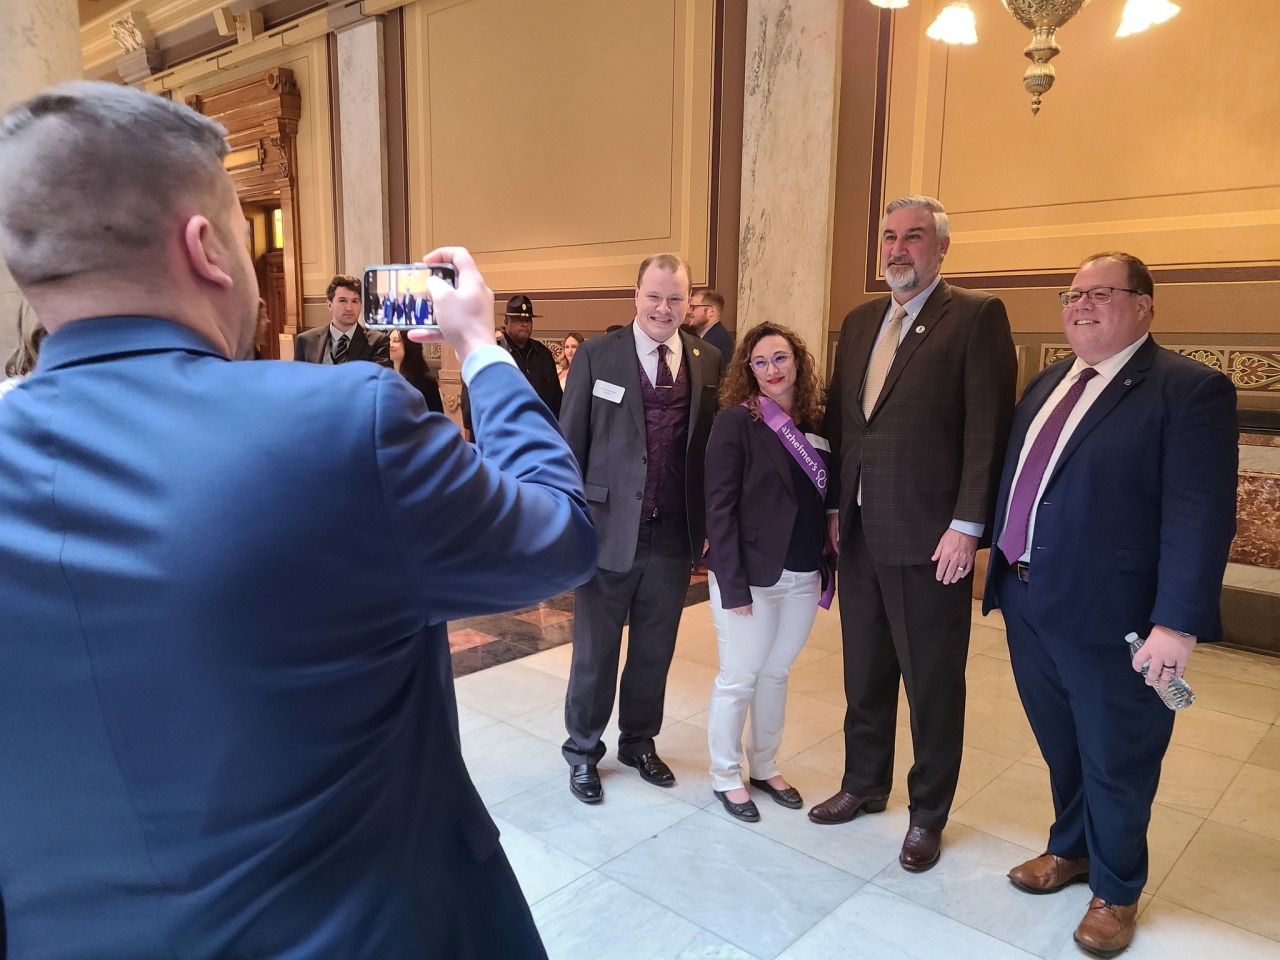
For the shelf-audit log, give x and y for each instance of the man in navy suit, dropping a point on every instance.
(1115, 514)
(228, 729)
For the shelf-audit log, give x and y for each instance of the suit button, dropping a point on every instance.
(644, 459)
(639, 496)
(867, 432)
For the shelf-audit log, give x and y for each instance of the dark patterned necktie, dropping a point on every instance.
(1013, 542)
(664, 381)
(340, 349)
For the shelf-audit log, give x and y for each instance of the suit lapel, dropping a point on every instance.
(627, 371)
(935, 308)
(1130, 375)
(693, 359)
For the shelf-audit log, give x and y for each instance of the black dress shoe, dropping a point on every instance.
(584, 783)
(746, 812)
(789, 797)
(652, 769)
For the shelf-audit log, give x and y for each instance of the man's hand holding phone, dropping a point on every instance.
(463, 312)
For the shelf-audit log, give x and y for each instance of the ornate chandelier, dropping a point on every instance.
(955, 24)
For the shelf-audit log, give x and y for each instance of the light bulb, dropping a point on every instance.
(890, 4)
(1140, 14)
(955, 24)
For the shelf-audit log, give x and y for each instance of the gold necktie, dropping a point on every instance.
(881, 360)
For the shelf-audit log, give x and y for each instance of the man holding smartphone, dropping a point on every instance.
(228, 730)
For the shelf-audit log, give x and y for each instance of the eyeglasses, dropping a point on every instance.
(1096, 295)
(779, 360)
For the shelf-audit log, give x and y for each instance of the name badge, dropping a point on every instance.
(819, 442)
(608, 391)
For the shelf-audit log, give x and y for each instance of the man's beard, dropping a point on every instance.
(902, 277)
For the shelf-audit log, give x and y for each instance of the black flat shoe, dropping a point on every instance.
(584, 783)
(652, 769)
(746, 812)
(789, 798)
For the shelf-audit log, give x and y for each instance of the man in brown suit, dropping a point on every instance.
(918, 415)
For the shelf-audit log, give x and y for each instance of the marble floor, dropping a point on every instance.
(653, 874)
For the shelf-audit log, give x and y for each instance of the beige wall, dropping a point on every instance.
(1163, 144)
(562, 143)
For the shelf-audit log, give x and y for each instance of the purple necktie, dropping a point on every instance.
(1013, 542)
(664, 381)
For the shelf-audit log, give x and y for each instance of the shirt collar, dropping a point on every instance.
(335, 334)
(916, 303)
(646, 344)
(1108, 368)
(97, 338)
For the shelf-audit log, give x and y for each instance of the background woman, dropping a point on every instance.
(766, 529)
(410, 362)
(571, 344)
(22, 361)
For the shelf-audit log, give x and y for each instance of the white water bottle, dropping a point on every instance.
(1177, 694)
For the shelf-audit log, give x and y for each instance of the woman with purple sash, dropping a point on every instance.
(766, 475)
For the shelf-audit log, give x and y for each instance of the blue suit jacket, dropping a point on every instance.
(1136, 522)
(229, 727)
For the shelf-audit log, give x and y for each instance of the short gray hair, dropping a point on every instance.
(93, 177)
(940, 223)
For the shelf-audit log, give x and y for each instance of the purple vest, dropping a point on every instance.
(666, 439)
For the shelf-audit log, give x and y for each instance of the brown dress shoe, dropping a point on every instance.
(921, 849)
(1048, 873)
(844, 806)
(1107, 928)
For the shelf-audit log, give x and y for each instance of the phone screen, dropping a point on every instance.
(396, 297)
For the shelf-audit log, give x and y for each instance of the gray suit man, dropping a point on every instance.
(637, 412)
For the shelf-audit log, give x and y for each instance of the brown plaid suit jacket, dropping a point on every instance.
(932, 448)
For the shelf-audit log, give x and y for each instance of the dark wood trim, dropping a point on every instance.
(335, 148)
(717, 116)
(879, 146)
(394, 85)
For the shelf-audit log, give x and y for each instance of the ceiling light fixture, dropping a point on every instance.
(955, 24)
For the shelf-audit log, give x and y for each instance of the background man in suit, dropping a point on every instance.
(706, 307)
(228, 730)
(917, 415)
(637, 416)
(345, 338)
(1115, 514)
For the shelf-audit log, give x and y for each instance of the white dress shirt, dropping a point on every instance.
(1107, 370)
(647, 351)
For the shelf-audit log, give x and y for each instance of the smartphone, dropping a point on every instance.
(396, 297)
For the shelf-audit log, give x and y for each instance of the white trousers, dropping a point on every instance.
(756, 654)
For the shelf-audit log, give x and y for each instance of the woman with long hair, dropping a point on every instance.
(766, 475)
(571, 344)
(22, 361)
(411, 363)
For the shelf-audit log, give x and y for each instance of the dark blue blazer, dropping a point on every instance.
(1137, 519)
(227, 719)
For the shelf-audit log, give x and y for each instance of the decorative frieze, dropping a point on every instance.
(1251, 369)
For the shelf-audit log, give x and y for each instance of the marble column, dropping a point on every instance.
(39, 46)
(362, 142)
(788, 166)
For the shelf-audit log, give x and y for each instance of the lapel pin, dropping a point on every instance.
(920, 329)
(1128, 383)
(696, 353)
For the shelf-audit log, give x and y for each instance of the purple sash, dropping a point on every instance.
(814, 467)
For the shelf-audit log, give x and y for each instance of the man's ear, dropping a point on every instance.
(945, 246)
(205, 251)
